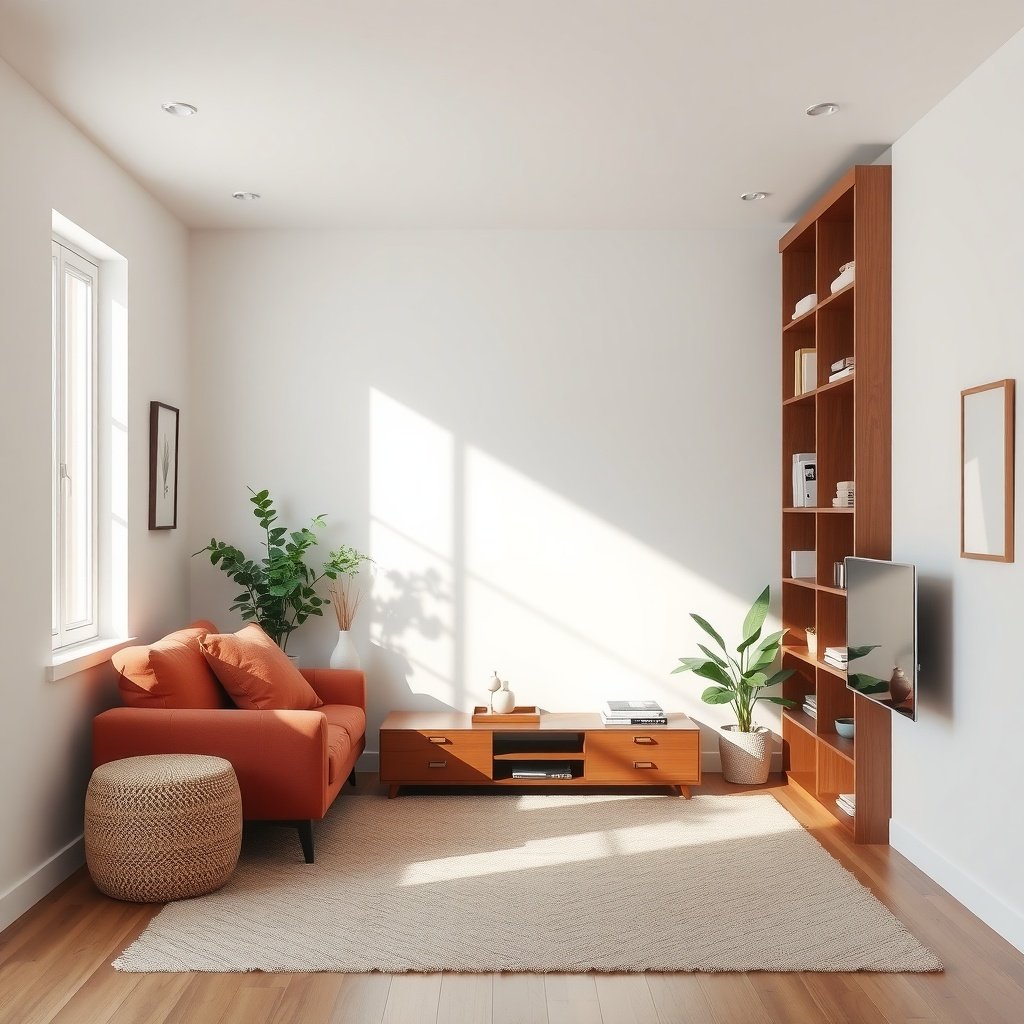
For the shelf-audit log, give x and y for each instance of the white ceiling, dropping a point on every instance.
(520, 113)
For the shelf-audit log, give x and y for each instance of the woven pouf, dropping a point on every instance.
(162, 827)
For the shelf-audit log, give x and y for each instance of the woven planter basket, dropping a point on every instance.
(162, 827)
(746, 756)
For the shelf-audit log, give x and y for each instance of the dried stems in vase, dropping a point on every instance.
(345, 601)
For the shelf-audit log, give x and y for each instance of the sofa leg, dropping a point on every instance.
(306, 838)
(352, 777)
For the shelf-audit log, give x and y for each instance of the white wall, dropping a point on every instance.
(554, 444)
(45, 742)
(958, 257)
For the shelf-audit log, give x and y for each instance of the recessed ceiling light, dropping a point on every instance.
(753, 197)
(245, 197)
(822, 109)
(178, 109)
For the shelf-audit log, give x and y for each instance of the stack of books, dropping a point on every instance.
(836, 657)
(841, 368)
(844, 494)
(847, 802)
(811, 705)
(633, 712)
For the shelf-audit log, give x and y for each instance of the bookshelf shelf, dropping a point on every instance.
(842, 746)
(847, 424)
(800, 719)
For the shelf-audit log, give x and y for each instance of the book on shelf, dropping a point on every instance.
(810, 712)
(840, 374)
(636, 720)
(835, 663)
(542, 770)
(841, 364)
(804, 371)
(847, 802)
(811, 699)
(805, 480)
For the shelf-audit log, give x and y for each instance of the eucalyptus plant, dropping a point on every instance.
(740, 680)
(279, 590)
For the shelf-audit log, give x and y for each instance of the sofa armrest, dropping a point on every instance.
(280, 757)
(338, 685)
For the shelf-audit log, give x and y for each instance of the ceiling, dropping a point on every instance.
(495, 113)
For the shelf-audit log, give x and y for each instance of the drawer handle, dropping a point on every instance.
(438, 739)
(643, 739)
(437, 764)
(643, 764)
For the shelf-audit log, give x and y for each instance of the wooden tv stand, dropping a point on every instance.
(445, 748)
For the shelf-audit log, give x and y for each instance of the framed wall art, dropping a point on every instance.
(163, 466)
(986, 471)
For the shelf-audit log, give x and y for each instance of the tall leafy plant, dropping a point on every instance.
(740, 680)
(279, 590)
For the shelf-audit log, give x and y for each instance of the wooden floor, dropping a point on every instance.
(55, 966)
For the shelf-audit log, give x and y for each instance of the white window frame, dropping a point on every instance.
(67, 261)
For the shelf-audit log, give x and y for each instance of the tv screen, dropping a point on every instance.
(881, 632)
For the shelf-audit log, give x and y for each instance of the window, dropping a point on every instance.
(74, 400)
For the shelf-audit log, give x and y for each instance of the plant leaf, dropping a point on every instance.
(782, 701)
(721, 662)
(717, 695)
(852, 653)
(709, 670)
(755, 619)
(710, 630)
(689, 664)
(862, 682)
(781, 676)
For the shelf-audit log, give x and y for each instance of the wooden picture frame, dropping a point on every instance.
(986, 471)
(163, 466)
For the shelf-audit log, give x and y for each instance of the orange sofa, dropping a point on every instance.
(290, 764)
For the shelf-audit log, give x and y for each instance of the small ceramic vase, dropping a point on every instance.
(493, 684)
(504, 700)
(899, 686)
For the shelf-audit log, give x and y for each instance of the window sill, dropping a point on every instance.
(77, 658)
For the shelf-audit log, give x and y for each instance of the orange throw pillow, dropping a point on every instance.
(172, 673)
(256, 672)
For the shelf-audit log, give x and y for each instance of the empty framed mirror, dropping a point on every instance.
(986, 471)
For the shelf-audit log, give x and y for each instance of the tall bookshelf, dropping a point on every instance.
(847, 423)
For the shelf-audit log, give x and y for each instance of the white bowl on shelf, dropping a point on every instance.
(845, 278)
(805, 305)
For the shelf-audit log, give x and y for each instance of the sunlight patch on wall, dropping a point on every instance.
(412, 543)
(574, 608)
(480, 568)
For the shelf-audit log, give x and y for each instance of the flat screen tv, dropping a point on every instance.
(881, 632)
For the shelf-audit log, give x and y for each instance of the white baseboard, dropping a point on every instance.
(41, 882)
(981, 902)
(709, 761)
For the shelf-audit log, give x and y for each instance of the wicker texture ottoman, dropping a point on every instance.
(162, 827)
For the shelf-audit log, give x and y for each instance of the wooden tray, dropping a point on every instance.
(526, 715)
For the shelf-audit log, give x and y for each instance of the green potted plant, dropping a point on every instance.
(279, 590)
(745, 748)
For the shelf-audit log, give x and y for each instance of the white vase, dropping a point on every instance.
(344, 654)
(504, 700)
(294, 659)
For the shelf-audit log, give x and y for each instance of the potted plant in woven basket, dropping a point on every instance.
(741, 680)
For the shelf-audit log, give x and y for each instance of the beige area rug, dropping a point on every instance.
(567, 883)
